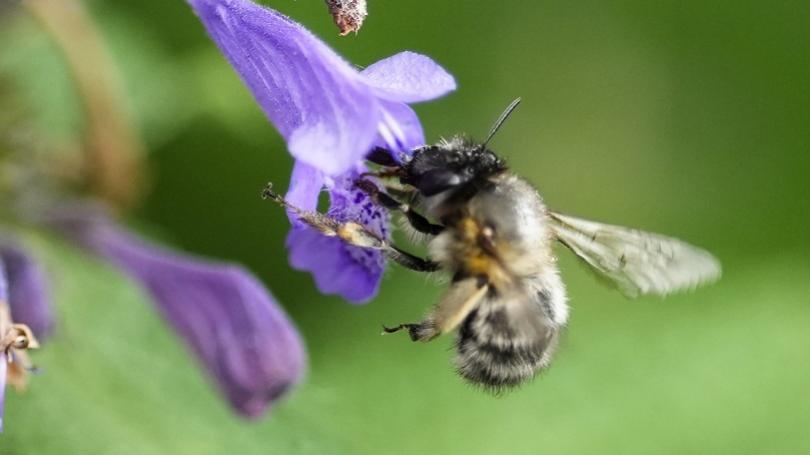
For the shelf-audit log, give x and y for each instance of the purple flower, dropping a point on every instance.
(15, 339)
(28, 297)
(331, 116)
(3, 373)
(228, 319)
(3, 358)
(351, 272)
(329, 113)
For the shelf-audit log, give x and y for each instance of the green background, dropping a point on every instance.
(688, 118)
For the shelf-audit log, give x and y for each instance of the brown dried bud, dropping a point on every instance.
(348, 14)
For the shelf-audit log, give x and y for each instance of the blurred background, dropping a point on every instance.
(688, 118)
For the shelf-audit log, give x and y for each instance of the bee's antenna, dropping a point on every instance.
(505, 115)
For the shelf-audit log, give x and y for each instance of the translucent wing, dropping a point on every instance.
(637, 262)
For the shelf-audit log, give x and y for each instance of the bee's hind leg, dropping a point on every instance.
(422, 331)
(353, 233)
(462, 298)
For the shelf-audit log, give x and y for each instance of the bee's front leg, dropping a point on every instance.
(353, 233)
(380, 197)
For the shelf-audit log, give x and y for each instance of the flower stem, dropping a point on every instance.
(112, 163)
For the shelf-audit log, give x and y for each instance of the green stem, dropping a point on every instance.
(112, 163)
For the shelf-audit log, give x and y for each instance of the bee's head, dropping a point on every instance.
(450, 165)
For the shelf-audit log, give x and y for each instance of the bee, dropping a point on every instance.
(491, 230)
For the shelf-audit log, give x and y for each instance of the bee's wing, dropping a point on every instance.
(637, 262)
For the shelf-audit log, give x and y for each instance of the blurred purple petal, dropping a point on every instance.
(351, 272)
(231, 322)
(11, 373)
(3, 374)
(409, 77)
(3, 359)
(29, 299)
(3, 283)
(329, 113)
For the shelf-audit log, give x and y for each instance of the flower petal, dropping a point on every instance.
(409, 77)
(3, 283)
(233, 325)
(3, 358)
(334, 269)
(29, 299)
(306, 184)
(399, 130)
(351, 272)
(318, 102)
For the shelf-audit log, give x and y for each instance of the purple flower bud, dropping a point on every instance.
(329, 113)
(29, 299)
(230, 321)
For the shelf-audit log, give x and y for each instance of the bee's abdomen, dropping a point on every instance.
(497, 349)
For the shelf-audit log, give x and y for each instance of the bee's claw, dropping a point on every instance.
(387, 330)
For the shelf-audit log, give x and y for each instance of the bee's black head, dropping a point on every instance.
(450, 165)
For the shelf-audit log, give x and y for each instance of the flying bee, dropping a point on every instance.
(493, 233)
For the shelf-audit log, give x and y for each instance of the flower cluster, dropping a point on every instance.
(331, 116)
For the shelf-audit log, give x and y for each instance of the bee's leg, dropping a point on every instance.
(419, 222)
(353, 233)
(422, 331)
(409, 261)
(457, 304)
(383, 157)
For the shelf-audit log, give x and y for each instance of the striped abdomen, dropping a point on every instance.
(506, 341)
